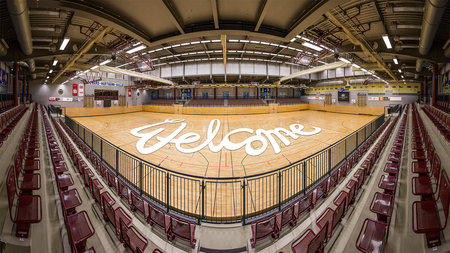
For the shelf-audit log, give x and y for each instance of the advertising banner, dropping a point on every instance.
(80, 90)
(75, 90)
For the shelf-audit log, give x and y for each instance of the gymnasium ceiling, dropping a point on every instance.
(176, 31)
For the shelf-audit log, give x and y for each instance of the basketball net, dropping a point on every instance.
(90, 77)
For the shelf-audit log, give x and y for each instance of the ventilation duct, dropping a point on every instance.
(400, 38)
(31, 65)
(49, 40)
(18, 11)
(51, 48)
(419, 65)
(3, 50)
(447, 52)
(434, 9)
(353, 81)
(330, 83)
(55, 29)
(59, 13)
(399, 47)
(392, 9)
(395, 26)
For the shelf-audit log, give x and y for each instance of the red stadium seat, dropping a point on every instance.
(372, 236)
(331, 218)
(28, 209)
(261, 229)
(182, 229)
(132, 238)
(310, 242)
(426, 215)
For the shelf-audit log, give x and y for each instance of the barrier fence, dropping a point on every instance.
(223, 200)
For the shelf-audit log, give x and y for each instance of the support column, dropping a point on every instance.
(425, 81)
(214, 92)
(257, 92)
(434, 88)
(23, 88)
(236, 93)
(276, 92)
(174, 93)
(15, 83)
(193, 93)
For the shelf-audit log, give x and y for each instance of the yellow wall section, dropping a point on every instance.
(411, 88)
(95, 111)
(241, 110)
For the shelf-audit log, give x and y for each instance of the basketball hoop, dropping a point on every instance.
(90, 77)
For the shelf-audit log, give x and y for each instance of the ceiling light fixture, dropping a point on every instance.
(356, 66)
(307, 44)
(387, 41)
(55, 61)
(344, 60)
(399, 71)
(64, 43)
(395, 60)
(105, 62)
(51, 71)
(134, 50)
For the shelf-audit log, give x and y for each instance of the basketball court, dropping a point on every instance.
(225, 163)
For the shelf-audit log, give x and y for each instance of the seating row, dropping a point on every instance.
(117, 217)
(440, 119)
(374, 233)
(78, 223)
(327, 222)
(9, 120)
(444, 105)
(172, 226)
(24, 207)
(272, 225)
(431, 180)
(5, 105)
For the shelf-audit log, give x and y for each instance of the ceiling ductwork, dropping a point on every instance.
(55, 29)
(58, 13)
(400, 38)
(51, 48)
(3, 50)
(31, 65)
(391, 9)
(338, 82)
(49, 40)
(416, 76)
(447, 52)
(18, 11)
(434, 9)
(395, 26)
(399, 46)
(419, 65)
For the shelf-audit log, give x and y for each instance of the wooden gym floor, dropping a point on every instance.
(335, 126)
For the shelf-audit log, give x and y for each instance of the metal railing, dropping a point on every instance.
(219, 199)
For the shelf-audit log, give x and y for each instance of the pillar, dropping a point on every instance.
(174, 93)
(425, 81)
(23, 88)
(15, 83)
(236, 93)
(214, 92)
(193, 93)
(276, 92)
(257, 92)
(434, 88)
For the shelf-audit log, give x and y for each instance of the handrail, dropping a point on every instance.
(307, 171)
(227, 178)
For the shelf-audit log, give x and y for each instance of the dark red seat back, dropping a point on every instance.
(109, 212)
(444, 195)
(265, 227)
(317, 243)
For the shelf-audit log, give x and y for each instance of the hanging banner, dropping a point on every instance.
(446, 79)
(129, 92)
(75, 90)
(80, 90)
